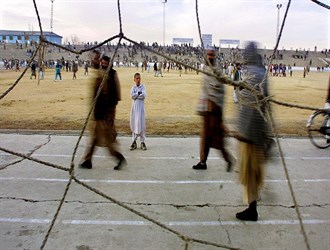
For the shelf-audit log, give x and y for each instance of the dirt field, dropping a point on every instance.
(170, 104)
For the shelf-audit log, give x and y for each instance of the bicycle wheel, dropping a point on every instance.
(318, 126)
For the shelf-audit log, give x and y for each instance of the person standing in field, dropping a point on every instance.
(155, 69)
(103, 132)
(58, 68)
(253, 133)
(159, 69)
(180, 70)
(41, 72)
(33, 70)
(231, 70)
(211, 110)
(237, 77)
(290, 70)
(74, 69)
(17, 65)
(86, 68)
(138, 117)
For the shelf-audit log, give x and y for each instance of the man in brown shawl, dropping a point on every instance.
(253, 132)
(211, 110)
(103, 131)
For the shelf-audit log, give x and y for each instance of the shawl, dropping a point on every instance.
(212, 90)
(252, 124)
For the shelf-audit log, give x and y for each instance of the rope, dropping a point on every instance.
(185, 238)
(288, 178)
(34, 159)
(21, 76)
(57, 212)
(321, 4)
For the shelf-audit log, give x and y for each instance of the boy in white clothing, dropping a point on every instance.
(138, 117)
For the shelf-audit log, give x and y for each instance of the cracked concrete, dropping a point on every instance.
(177, 206)
(160, 183)
(224, 228)
(30, 152)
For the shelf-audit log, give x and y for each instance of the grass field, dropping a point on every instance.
(170, 103)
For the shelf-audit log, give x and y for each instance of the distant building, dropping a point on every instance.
(207, 41)
(22, 37)
(181, 41)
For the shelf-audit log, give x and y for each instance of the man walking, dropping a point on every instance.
(211, 111)
(103, 131)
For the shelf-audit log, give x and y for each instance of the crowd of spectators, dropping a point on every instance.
(184, 56)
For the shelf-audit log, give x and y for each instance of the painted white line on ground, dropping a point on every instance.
(171, 157)
(236, 223)
(115, 222)
(169, 223)
(154, 181)
(25, 220)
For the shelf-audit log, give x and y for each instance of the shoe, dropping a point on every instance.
(133, 146)
(86, 164)
(229, 166)
(122, 162)
(143, 146)
(249, 214)
(200, 166)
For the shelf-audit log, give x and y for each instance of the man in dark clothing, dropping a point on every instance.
(33, 70)
(103, 131)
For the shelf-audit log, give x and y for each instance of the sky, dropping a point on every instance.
(307, 24)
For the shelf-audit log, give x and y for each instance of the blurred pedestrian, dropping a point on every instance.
(211, 109)
(103, 132)
(253, 133)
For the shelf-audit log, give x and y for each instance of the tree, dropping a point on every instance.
(75, 39)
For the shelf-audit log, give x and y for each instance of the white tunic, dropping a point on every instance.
(138, 117)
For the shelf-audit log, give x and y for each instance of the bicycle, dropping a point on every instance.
(318, 128)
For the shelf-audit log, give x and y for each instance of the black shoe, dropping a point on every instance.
(143, 146)
(229, 166)
(133, 146)
(201, 166)
(86, 164)
(249, 214)
(122, 162)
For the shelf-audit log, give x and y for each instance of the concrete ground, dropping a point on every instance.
(160, 184)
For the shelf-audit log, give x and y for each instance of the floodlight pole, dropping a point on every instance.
(164, 2)
(278, 6)
(51, 16)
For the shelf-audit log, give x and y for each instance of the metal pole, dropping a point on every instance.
(51, 16)
(279, 6)
(164, 2)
